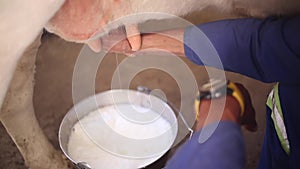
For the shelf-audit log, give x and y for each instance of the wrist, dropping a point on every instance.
(231, 111)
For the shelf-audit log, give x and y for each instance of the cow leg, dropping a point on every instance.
(17, 116)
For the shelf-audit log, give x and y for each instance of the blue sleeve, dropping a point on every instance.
(267, 50)
(224, 149)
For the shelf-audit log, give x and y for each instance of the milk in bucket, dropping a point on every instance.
(83, 145)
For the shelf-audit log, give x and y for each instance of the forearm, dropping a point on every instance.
(214, 152)
(267, 50)
(171, 41)
(226, 138)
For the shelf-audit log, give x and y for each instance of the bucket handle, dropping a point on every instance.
(147, 90)
(82, 165)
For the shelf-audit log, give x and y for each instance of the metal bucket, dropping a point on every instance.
(116, 97)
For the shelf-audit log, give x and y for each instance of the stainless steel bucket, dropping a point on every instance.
(115, 97)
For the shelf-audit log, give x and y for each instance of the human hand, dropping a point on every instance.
(171, 41)
(230, 112)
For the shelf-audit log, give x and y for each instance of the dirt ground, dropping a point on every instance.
(53, 94)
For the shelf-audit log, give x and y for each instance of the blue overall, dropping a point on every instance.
(267, 50)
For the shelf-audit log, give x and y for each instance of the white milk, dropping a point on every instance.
(91, 135)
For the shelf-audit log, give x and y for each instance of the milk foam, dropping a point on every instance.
(85, 143)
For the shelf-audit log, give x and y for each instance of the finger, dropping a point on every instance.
(133, 37)
(248, 118)
(95, 45)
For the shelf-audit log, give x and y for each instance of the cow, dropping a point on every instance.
(77, 21)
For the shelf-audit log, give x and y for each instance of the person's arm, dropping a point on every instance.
(171, 41)
(226, 139)
(224, 147)
(267, 50)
